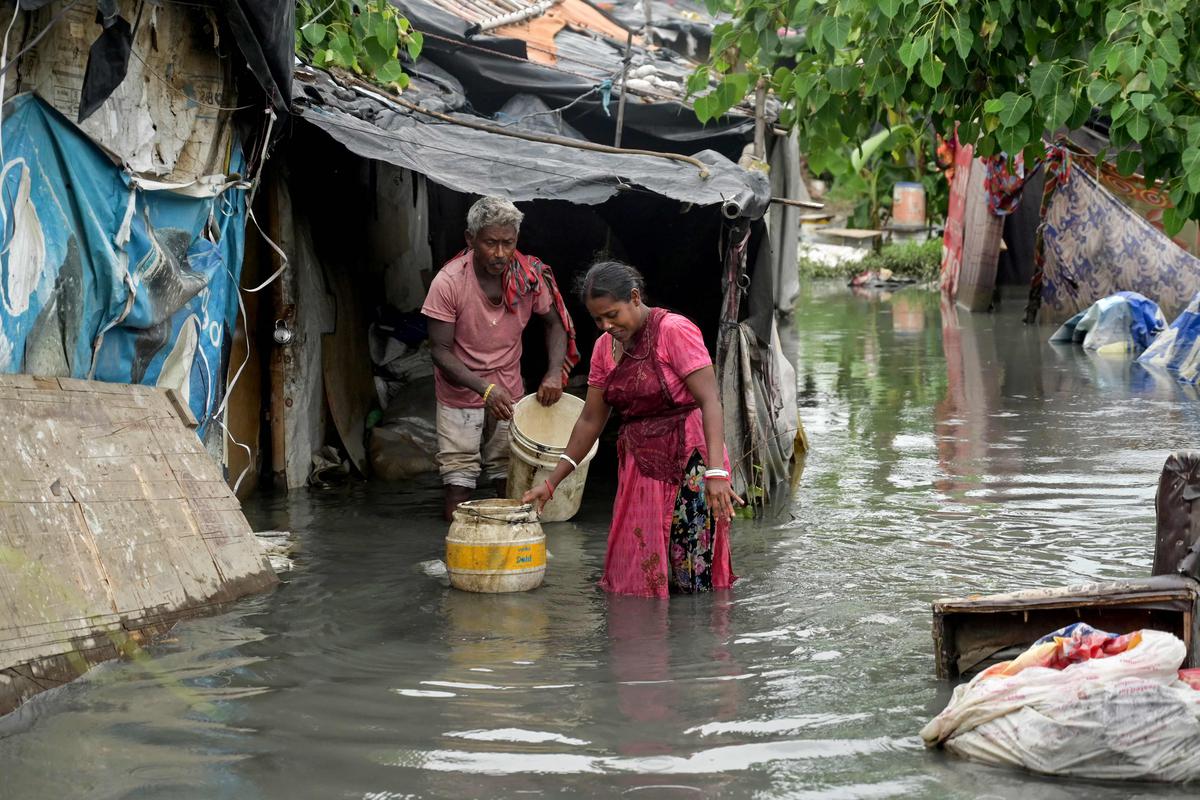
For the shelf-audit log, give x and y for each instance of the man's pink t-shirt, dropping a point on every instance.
(487, 336)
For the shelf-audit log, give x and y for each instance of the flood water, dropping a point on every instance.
(949, 455)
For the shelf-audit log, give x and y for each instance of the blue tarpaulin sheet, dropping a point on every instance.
(1177, 349)
(1124, 322)
(102, 278)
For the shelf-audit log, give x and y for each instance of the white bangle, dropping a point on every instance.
(569, 460)
(716, 473)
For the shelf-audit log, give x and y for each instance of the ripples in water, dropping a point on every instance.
(983, 460)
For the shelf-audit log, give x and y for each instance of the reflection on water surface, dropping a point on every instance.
(952, 453)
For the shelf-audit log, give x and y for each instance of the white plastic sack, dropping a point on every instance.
(1127, 716)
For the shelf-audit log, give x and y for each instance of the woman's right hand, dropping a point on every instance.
(539, 495)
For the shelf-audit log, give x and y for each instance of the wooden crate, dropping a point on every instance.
(972, 633)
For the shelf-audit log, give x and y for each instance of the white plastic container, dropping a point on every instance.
(495, 546)
(537, 437)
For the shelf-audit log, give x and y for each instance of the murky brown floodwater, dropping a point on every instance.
(949, 456)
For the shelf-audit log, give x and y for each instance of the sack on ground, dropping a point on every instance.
(1084, 703)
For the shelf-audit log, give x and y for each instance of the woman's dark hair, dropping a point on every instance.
(610, 279)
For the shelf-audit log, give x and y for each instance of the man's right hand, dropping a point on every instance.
(499, 403)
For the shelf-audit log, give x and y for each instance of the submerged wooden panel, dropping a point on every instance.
(983, 233)
(970, 633)
(114, 523)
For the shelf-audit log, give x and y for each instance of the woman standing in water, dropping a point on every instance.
(670, 525)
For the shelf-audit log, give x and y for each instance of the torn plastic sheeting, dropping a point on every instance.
(1124, 322)
(81, 240)
(264, 32)
(1177, 349)
(529, 113)
(478, 162)
(147, 123)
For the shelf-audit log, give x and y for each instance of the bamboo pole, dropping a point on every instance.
(624, 74)
(760, 124)
(788, 201)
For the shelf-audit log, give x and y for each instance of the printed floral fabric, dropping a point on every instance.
(1148, 201)
(1093, 245)
(693, 533)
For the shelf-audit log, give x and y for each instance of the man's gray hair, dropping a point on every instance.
(489, 211)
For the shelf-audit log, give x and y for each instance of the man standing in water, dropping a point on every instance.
(478, 306)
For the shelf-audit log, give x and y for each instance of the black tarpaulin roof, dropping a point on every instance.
(494, 68)
(265, 31)
(479, 162)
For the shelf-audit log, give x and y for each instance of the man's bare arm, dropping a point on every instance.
(551, 388)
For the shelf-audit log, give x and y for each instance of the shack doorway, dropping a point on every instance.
(350, 392)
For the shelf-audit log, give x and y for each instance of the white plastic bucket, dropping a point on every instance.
(537, 437)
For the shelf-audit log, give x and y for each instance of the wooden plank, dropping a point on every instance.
(163, 562)
(94, 388)
(982, 233)
(17, 381)
(349, 385)
(100, 536)
(1166, 585)
(145, 477)
(51, 584)
(182, 410)
(173, 438)
(968, 632)
(283, 309)
(243, 418)
(851, 233)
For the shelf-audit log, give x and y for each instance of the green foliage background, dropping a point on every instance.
(1003, 71)
(364, 37)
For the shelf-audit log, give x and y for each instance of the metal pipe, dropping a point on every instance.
(788, 201)
(520, 15)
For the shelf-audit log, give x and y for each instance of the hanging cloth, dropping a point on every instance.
(524, 275)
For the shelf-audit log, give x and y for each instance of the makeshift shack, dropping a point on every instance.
(127, 192)
(127, 166)
(382, 204)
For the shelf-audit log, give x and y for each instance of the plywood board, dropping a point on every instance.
(114, 523)
(346, 359)
(983, 232)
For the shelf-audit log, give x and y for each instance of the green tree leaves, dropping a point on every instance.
(932, 70)
(1044, 79)
(836, 31)
(1004, 73)
(362, 37)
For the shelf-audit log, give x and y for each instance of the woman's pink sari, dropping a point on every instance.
(662, 538)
